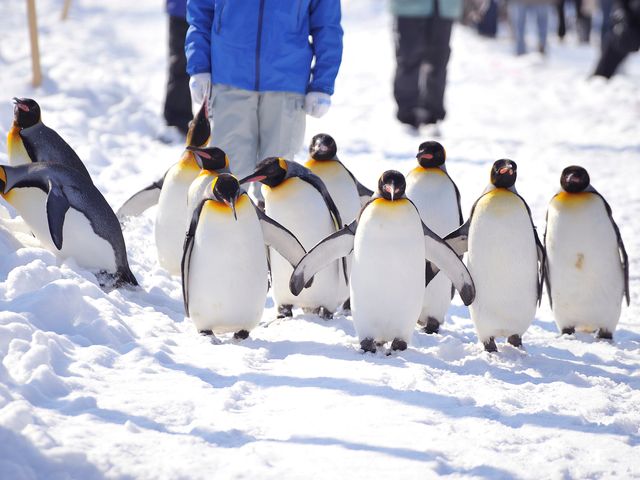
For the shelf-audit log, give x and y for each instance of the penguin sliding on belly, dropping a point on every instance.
(197, 136)
(587, 271)
(505, 257)
(348, 193)
(390, 243)
(69, 216)
(224, 266)
(437, 198)
(31, 141)
(299, 200)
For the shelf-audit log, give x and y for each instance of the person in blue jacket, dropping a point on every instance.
(177, 103)
(266, 63)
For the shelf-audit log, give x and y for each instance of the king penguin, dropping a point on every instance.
(347, 192)
(587, 264)
(297, 198)
(437, 198)
(390, 243)
(224, 266)
(171, 195)
(30, 141)
(69, 216)
(198, 135)
(505, 257)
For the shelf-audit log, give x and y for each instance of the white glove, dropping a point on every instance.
(317, 104)
(200, 85)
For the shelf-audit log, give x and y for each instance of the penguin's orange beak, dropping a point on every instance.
(504, 170)
(251, 179)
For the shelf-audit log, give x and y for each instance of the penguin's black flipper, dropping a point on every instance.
(281, 239)
(624, 258)
(446, 259)
(141, 201)
(363, 192)
(186, 254)
(57, 206)
(542, 261)
(458, 240)
(336, 245)
(545, 268)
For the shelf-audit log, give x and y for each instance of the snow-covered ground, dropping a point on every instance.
(119, 385)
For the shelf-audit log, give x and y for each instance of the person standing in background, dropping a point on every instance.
(518, 11)
(623, 39)
(422, 33)
(267, 63)
(177, 102)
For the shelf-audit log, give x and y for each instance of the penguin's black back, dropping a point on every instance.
(44, 145)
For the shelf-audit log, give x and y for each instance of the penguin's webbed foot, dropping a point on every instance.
(568, 330)
(432, 326)
(285, 311)
(323, 313)
(398, 344)
(368, 345)
(241, 335)
(515, 340)
(206, 333)
(346, 306)
(490, 345)
(604, 334)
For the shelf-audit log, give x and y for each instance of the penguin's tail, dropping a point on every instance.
(124, 277)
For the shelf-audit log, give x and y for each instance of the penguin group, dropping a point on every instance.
(325, 243)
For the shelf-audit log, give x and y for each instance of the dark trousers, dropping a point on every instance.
(623, 39)
(422, 54)
(583, 21)
(177, 104)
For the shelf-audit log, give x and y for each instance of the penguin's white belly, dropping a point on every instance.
(79, 241)
(301, 209)
(172, 220)
(587, 280)
(196, 191)
(345, 195)
(502, 260)
(228, 269)
(387, 280)
(434, 195)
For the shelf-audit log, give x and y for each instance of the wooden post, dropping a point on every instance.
(33, 36)
(65, 9)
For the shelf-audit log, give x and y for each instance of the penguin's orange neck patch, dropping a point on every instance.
(430, 170)
(572, 198)
(383, 202)
(188, 161)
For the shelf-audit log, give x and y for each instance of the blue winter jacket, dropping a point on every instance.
(264, 45)
(177, 8)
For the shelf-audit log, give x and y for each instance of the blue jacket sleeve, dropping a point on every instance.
(326, 32)
(197, 43)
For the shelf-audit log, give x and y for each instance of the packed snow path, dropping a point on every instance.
(119, 385)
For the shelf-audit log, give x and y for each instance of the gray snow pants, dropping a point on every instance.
(250, 126)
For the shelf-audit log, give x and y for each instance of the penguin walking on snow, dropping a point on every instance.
(171, 195)
(69, 216)
(437, 198)
(505, 257)
(31, 141)
(224, 266)
(348, 193)
(297, 198)
(587, 271)
(390, 243)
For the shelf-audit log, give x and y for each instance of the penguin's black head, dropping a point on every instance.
(391, 185)
(210, 158)
(200, 128)
(26, 112)
(431, 154)
(574, 179)
(226, 189)
(504, 173)
(323, 147)
(271, 171)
